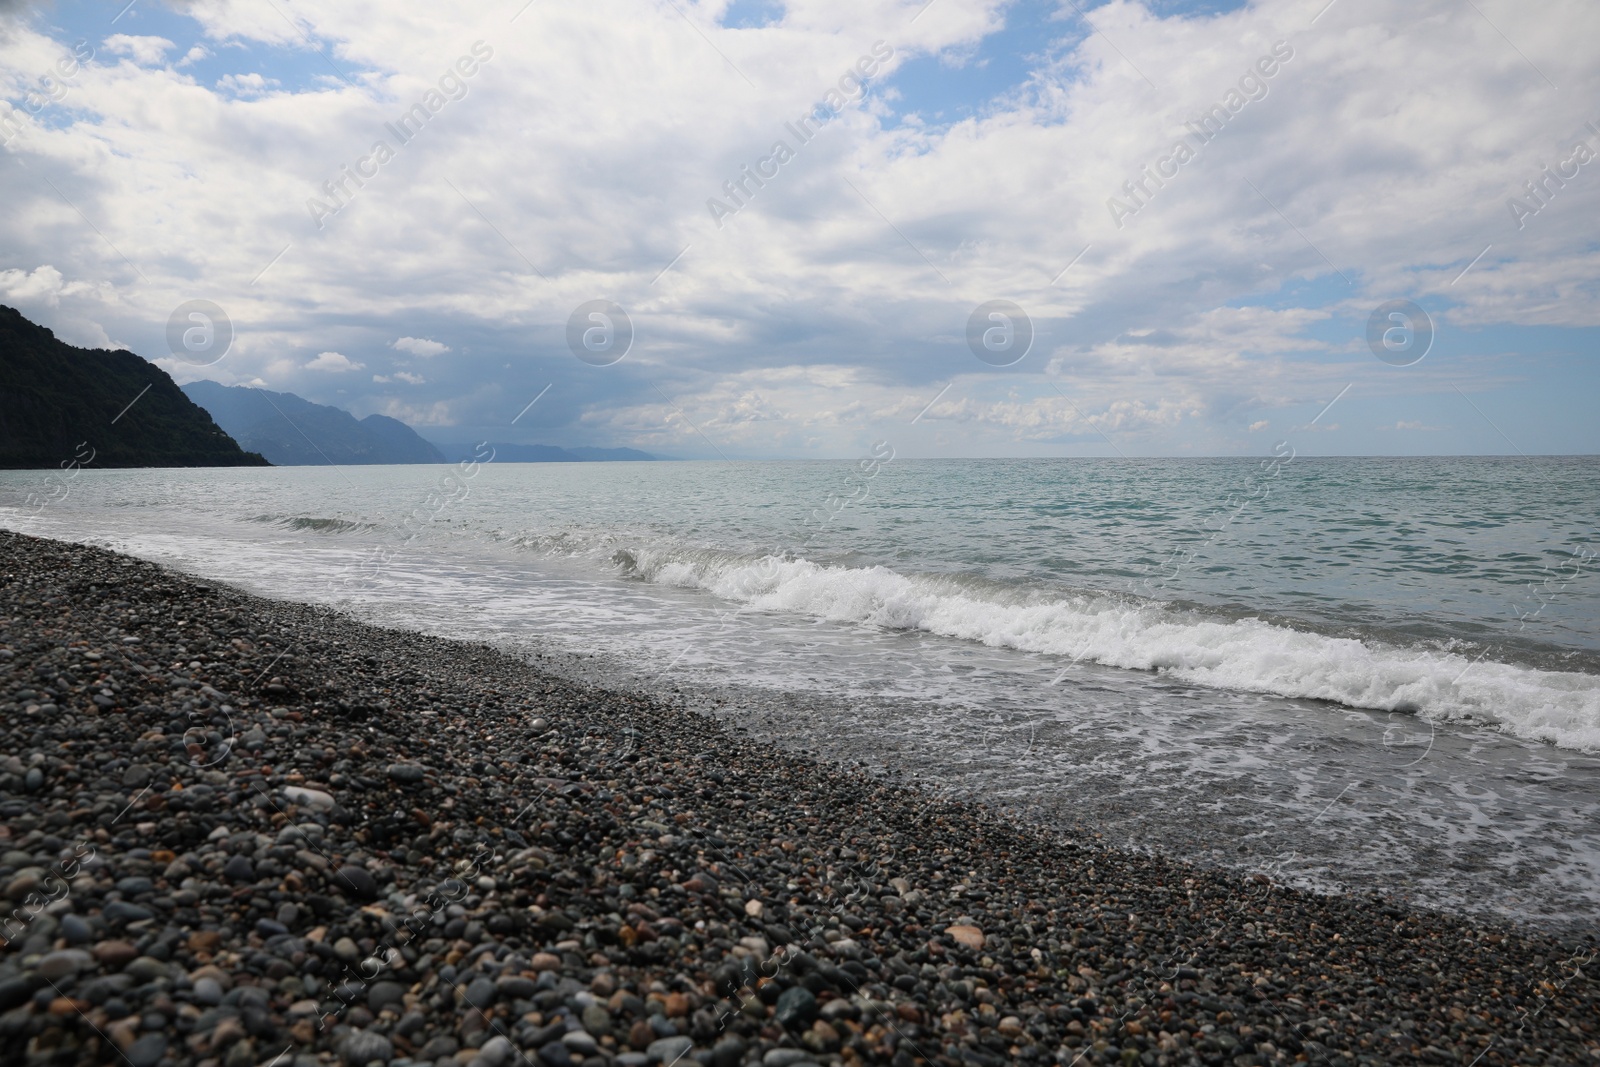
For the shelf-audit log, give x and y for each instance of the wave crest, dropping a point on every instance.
(314, 524)
(1244, 654)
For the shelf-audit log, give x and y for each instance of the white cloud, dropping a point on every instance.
(69, 308)
(145, 51)
(42, 285)
(439, 413)
(333, 361)
(251, 84)
(419, 346)
(1259, 425)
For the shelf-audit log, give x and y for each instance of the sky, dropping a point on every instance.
(768, 229)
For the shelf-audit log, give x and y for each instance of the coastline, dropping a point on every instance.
(278, 833)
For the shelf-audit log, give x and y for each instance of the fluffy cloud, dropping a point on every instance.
(42, 285)
(145, 51)
(333, 361)
(419, 346)
(251, 84)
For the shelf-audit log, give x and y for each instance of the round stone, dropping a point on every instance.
(356, 880)
(969, 936)
(63, 964)
(75, 930)
(668, 1049)
(386, 995)
(239, 869)
(147, 1051)
(797, 1008)
(407, 773)
(481, 992)
(363, 1046)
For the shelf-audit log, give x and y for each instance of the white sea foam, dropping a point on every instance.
(1249, 654)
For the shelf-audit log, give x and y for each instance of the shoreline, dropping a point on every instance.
(273, 834)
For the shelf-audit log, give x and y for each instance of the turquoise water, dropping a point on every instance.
(1376, 672)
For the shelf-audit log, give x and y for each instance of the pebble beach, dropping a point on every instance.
(237, 831)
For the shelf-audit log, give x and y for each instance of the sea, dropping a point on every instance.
(1359, 675)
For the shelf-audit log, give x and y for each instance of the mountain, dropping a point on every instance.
(292, 431)
(611, 455)
(60, 403)
(507, 453)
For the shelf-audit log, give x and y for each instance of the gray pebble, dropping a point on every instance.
(76, 930)
(147, 968)
(783, 1057)
(481, 992)
(239, 869)
(385, 995)
(440, 1047)
(580, 1042)
(496, 1052)
(361, 1047)
(668, 1049)
(516, 987)
(797, 1008)
(147, 1051)
(63, 964)
(357, 880)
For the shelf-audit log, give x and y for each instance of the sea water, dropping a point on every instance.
(1377, 674)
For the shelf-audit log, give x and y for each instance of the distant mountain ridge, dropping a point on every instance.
(509, 453)
(292, 431)
(61, 404)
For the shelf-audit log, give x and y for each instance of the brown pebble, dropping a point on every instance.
(115, 953)
(640, 1035)
(205, 941)
(546, 961)
(970, 936)
(229, 1030)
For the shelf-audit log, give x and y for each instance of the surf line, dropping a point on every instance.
(1255, 491)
